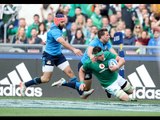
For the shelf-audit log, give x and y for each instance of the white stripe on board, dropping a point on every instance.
(145, 77)
(23, 72)
(135, 81)
(4, 81)
(13, 76)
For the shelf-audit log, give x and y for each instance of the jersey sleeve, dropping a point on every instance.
(93, 43)
(56, 33)
(86, 66)
(109, 45)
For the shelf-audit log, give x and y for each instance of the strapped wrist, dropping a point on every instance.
(82, 82)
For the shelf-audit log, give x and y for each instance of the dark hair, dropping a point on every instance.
(79, 29)
(42, 23)
(59, 15)
(36, 15)
(60, 11)
(101, 32)
(78, 8)
(96, 49)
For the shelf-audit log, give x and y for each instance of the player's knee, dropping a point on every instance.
(128, 88)
(122, 95)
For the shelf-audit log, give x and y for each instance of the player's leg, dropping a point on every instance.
(128, 88)
(73, 81)
(115, 90)
(47, 69)
(125, 85)
(64, 65)
(75, 84)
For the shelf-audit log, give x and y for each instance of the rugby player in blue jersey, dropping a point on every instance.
(53, 56)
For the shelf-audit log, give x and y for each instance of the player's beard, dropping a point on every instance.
(61, 27)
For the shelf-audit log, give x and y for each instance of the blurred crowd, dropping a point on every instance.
(139, 23)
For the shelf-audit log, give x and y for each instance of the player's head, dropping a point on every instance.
(60, 20)
(103, 35)
(98, 53)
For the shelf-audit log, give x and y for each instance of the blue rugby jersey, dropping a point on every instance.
(52, 46)
(96, 42)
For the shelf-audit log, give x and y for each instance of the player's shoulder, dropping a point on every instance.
(94, 41)
(54, 27)
(88, 61)
(107, 52)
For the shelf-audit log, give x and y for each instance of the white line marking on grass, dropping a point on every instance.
(86, 105)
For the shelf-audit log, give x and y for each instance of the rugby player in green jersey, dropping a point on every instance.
(108, 76)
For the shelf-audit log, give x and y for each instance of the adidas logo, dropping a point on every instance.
(9, 86)
(144, 85)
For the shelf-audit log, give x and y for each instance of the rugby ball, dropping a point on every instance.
(112, 62)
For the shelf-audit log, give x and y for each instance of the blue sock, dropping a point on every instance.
(73, 83)
(35, 81)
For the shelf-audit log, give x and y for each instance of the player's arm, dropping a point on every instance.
(121, 61)
(89, 52)
(70, 47)
(112, 50)
(81, 77)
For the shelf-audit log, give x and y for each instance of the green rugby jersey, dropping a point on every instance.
(101, 71)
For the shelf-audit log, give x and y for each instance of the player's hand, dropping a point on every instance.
(114, 67)
(82, 86)
(77, 52)
(92, 57)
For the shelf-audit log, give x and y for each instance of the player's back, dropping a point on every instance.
(52, 46)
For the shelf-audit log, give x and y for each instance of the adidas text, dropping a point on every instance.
(12, 90)
(149, 93)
